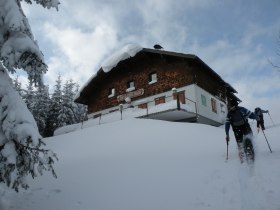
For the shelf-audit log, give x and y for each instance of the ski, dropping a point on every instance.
(249, 151)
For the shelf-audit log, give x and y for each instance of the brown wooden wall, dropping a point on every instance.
(208, 81)
(171, 72)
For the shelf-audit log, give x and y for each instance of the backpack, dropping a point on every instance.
(237, 118)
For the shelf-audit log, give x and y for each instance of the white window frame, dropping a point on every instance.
(223, 108)
(112, 92)
(152, 78)
(203, 100)
(130, 86)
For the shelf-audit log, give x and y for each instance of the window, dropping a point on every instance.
(111, 92)
(152, 78)
(203, 100)
(223, 108)
(181, 96)
(214, 105)
(130, 86)
(159, 100)
(142, 106)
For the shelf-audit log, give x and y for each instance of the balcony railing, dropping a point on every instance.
(132, 110)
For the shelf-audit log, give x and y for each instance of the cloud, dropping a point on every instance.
(78, 53)
(229, 60)
(229, 36)
(254, 94)
(80, 42)
(243, 63)
(145, 22)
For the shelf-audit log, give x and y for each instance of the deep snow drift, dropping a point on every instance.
(149, 164)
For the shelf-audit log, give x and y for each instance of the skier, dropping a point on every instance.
(259, 112)
(237, 117)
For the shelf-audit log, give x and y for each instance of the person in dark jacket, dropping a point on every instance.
(259, 112)
(237, 118)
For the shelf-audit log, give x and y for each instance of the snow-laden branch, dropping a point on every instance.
(46, 3)
(20, 142)
(16, 121)
(21, 151)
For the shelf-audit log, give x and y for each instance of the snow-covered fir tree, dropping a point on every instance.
(64, 108)
(18, 87)
(55, 107)
(21, 151)
(40, 109)
(67, 113)
(29, 95)
(56, 111)
(17, 84)
(81, 110)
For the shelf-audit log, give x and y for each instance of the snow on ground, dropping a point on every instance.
(148, 164)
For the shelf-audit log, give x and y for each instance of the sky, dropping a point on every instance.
(134, 167)
(237, 39)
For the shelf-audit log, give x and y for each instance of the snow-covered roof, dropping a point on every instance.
(128, 51)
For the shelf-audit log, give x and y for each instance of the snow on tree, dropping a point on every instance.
(17, 86)
(28, 97)
(63, 110)
(81, 110)
(21, 151)
(55, 107)
(67, 113)
(40, 109)
(59, 110)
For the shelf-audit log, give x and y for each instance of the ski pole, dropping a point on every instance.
(271, 119)
(227, 150)
(266, 141)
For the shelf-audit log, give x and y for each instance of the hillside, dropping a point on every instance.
(141, 164)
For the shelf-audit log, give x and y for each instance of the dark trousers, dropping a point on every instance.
(260, 123)
(240, 131)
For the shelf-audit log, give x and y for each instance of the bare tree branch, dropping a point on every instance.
(274, 65)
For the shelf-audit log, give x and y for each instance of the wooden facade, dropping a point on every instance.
(169, 70)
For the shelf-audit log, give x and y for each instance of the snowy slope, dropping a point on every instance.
(148, 164)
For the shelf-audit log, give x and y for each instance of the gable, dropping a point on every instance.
(152, 59)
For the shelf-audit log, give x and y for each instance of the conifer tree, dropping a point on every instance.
(28, 97)
(55, 107)
(81, 110)
(40, 109)
(67, 113)
(18, 87)
(70, 112)
(21, 145)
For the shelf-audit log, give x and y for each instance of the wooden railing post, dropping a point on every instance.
(178, 102)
